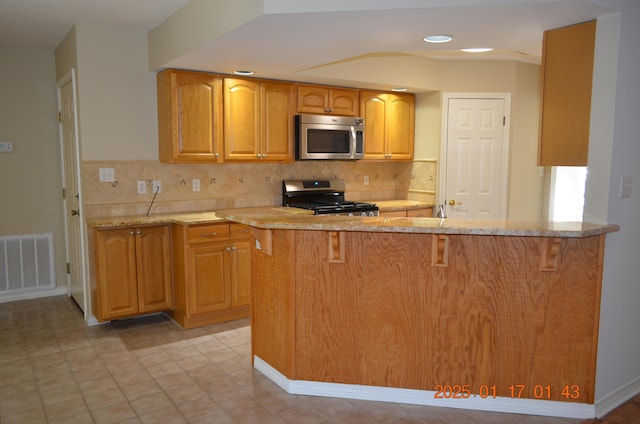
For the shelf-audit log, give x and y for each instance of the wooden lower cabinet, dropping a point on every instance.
(212, 273)
(410, 213)
(133, 271)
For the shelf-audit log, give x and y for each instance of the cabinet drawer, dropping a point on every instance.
(207, 233)
(239, 232)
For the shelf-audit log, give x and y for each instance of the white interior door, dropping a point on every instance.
(74, 222)
(475, 156)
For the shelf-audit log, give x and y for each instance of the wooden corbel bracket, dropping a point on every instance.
(440, 250)
(336, 252)
(550, 254)
(264, 240)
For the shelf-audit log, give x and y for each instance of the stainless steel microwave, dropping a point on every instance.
(329, 137)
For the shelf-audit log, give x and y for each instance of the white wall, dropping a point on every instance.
(618, 367)
(30, 177)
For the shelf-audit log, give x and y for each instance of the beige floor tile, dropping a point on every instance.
(141, 390)
(68, 408)
(185, 393)
(130, 378)
(169, 415)
(31, 416)
(199, 407)
(149, 404)
(60, 394)
(114, 414)
(103, 399)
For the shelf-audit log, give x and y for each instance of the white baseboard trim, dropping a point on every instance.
(616, 398)
(35, 294)
(424, 397)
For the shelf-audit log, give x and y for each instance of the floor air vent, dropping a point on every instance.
(26, 263)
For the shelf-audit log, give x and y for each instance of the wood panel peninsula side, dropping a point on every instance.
(494, 315)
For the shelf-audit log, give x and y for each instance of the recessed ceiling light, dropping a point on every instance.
(438, 38)
(477, 50)
(244, 73)
(399, 89)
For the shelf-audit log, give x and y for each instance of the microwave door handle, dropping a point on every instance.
(354, 143)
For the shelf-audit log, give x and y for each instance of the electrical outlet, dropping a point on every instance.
(366, 180)
(107, 175)
(6, 147)
(195, 184)
(142, 186)
(157, 186)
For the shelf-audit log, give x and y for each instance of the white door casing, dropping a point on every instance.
(474, 154)
(72, 202)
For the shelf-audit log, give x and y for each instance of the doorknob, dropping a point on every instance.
(74, 212)
(454, 203)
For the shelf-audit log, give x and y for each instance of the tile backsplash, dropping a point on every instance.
(234, 185)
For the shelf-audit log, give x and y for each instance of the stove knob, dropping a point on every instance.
(363, 214)
(350, 213)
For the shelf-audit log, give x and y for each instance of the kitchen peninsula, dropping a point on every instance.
(495, 315)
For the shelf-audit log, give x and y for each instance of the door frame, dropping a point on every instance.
(442, 168)
(70, 78)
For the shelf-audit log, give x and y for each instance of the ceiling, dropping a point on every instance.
(308, 45)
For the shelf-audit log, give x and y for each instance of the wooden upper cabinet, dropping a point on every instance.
(189, 116)
(258, 120)
(389, 120)
(567, 74)
(327, 100)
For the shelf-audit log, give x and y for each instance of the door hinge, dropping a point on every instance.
(64, 194)
(504, 121)
(59, 117)
(68, 267)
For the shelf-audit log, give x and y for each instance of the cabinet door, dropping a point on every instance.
(400, 126)
(117, 293)
(374, 106)
(567, 74)
(154, 270)
(277, 121)
(312, 99)
(189, 117)
(343, 102)
(240, 267)
(208, 284)
(242, 130)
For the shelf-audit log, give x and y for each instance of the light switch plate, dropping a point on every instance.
(625, 186)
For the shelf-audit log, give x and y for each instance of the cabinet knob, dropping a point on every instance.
(217, 155)
(228, 249)
(233, 248)
(132, 233)
(138, 232)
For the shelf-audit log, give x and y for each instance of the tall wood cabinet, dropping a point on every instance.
(212, 273)
(389, 120)
(189, 116)
(567, 74)
(327, 100)
(258, 122)
(133, 268)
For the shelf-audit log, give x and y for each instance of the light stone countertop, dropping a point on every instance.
(184, 218)
(290, 219)
(278, 217)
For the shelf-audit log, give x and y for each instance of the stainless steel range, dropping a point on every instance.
(323, 197)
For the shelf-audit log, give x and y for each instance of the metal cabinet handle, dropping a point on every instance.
(208, 235)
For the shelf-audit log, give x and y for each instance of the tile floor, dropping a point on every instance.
(55, 369)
